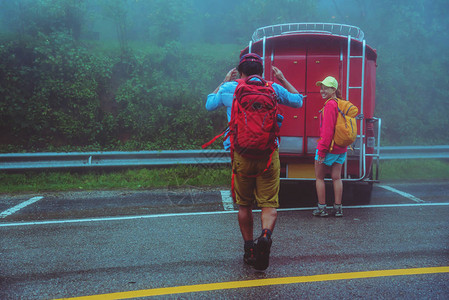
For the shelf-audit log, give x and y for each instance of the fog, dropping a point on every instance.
(113, 74)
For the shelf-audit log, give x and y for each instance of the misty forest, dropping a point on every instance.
(102, 75)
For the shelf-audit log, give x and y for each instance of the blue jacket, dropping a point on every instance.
(225, 95)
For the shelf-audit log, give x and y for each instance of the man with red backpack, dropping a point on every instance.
(253, 139)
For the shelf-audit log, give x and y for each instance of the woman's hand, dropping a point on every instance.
(320, 159)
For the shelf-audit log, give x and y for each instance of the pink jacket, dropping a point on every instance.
(328, 118)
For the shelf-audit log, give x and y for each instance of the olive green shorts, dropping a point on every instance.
(263, 189)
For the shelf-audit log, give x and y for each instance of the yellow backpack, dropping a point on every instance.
(346, 126)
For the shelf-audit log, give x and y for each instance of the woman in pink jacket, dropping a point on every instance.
(328, 155)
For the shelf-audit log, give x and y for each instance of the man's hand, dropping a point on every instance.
(232, 75)
(278, 74)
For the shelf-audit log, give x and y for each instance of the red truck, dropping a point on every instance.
(307, 53)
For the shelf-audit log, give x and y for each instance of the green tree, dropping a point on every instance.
(118, 12)
(29, 17)
(413, 52)
(167, 19)
(253, 14)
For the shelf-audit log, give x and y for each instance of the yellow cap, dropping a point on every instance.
(329, 81)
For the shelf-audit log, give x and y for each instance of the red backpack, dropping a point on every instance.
(253, 129)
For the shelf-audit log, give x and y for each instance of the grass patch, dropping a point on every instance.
(133, 179)
(181, 176)
(414, 169)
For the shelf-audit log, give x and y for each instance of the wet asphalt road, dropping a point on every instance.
(159, 239)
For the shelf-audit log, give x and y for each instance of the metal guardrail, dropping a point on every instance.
(414, 152)
(22, 161)
(15, 161)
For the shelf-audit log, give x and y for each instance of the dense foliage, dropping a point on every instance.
(412, 41)
(134, 75)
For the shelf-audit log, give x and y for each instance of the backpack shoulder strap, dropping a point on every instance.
(322, 109)
(261, 81)
(345, 107)
(339, 102)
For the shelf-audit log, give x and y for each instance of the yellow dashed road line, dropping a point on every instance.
(264, 282)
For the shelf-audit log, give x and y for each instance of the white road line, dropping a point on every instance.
(226, 198)
(116, 218)
(403, 194)
(19, 207)
(203, 214)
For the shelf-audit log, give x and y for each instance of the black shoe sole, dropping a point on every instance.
(262, 254)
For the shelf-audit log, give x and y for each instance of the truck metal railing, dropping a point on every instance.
(371, 143)
(293, 28)
(360, 138)
(53, 160)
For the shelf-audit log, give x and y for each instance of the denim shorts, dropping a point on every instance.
(330, 158)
